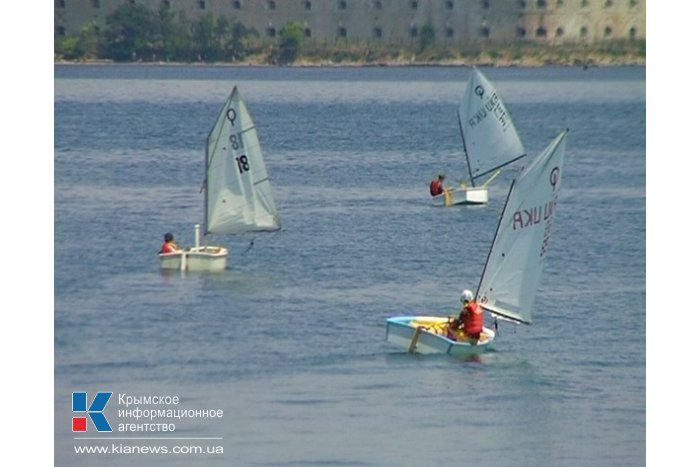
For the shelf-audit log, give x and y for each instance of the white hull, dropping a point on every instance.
(407, 333)
(196, 259)
(458, 196)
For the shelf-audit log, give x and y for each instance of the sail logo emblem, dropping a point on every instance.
(554, 178)
(94, 411)
(479, 91)
(231, 116)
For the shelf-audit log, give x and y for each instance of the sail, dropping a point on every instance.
(490, 139)
(238, 191)
(514, 265)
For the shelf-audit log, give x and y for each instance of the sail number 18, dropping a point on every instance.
(243, 165)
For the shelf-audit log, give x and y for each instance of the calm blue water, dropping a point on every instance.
(289, 342)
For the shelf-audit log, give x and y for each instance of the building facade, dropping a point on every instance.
(398, 21)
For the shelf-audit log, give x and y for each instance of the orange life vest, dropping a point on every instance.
(475, 319)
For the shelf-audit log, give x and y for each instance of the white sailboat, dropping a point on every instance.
(489, 137)
(511, 275)
(237, 190)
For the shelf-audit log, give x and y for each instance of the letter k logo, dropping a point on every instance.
(94, 411)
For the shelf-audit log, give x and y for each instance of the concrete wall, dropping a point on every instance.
(399, 21)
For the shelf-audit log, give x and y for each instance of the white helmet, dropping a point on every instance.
(466, 296)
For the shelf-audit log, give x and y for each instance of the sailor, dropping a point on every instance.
(471, 318)
(169, 245)
(436, 187)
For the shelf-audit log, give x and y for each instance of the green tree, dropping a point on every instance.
(88, 45)
(131, 33)
(204, 41)
(426, 36)
(235, 46)
(66, 47)
(290, 40)
(173, 36)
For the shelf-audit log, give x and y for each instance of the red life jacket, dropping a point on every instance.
(475, 319)
(435, 187)
(168, 247)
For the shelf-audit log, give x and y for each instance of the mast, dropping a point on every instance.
(204, 187)
(495, 236)
(464, 145)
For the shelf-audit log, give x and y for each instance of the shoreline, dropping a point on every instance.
(383, 64)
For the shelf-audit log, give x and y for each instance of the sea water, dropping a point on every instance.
(282, 359)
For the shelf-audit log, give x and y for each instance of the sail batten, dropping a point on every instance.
(238, 190)
(514, 264)
(489, 136)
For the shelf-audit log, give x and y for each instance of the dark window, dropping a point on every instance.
(271, 5)
(560, 2)
(541, 32)
(484, 32)
(307, 32)
(633, 33)
(633, 2)
(414, 5)
(449, 33)
(201, 4)
(271, 32)
(165, 4)
(486, 4)
(342, 5)
(413, 32)
(608, 31)
(378, 32)
(522, 4)
(236, 5)
(378, 5)
(449, 5)
(520, 32)
(559, 32)
(608, 3)
(342, 32)
(584, 3)
(584, 31)
(307, 5)
(60, 4)
(541, 3)
(60, 30)
(96, 3)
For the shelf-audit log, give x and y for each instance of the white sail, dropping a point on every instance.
(238, 191)
(514, 265)
(490, 139)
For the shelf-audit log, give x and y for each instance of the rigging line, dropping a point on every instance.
(252, 242)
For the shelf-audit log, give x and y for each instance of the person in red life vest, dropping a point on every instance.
(169, 245)
(470, 320)
(436, 187)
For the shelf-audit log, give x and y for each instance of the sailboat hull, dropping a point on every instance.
(460, 196)
(417, 334)
(196, 259)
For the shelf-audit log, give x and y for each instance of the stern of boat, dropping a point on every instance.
(196, 259)
(461, 196)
